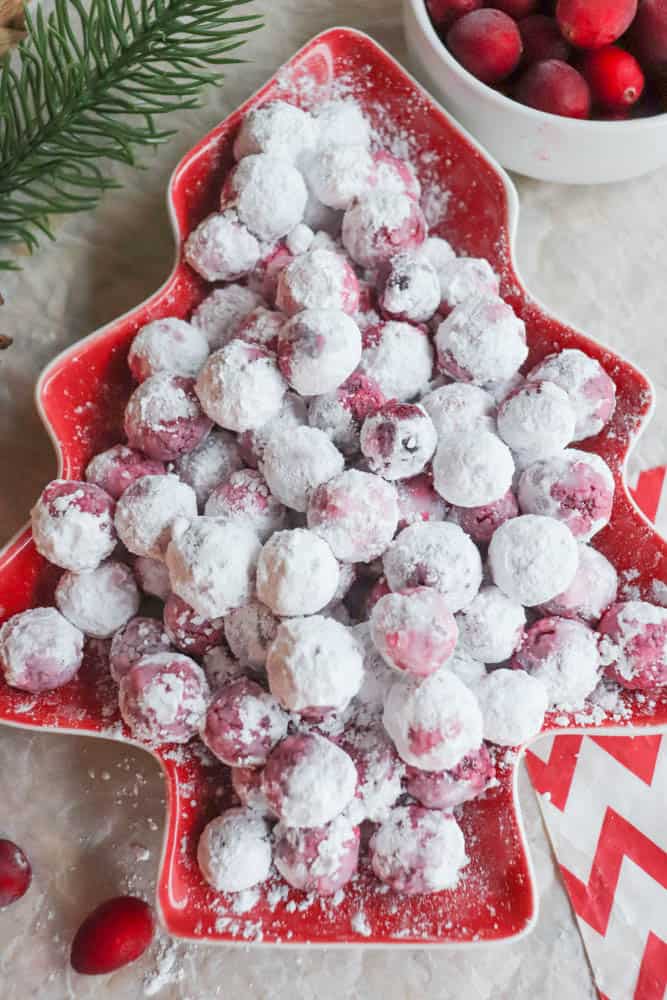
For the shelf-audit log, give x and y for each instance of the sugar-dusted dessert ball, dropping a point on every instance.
(234, 850)
(458, 408)
(247, 783)
(634, 644)
(393, 175)
(338, 175)
(39, 650)
(262, 327)
(398, 357)
(299, 240)
(435, 554)
(221, 667)
(99, 601)
(277, 128)
(356, 513)
(398, 440)
(409, 288)
(438, 252)
(564, 655)
(341, 413)
(163, 698)
(167, 345)
(418, 501)
(314, 665)
(308, 780)
(377, 680)
(246, 499)
(449, 789)
(163, 417)
(465, 278)
(211, 462)
(139, 637)
(533, 558)
(435, 722)
(223, 311)
(116, 468)
(73, 524)
(342, 123)
(268, 193)
(481, 341)
(380, 772)
(481, 522)
(319, 859)
(537, 420)
(414, 631)
(152, 576)
(240, 386)
(147, 510)
(591, 592)
(295, 460)
(318, 349)
(591, 391)
(212, 564)
(243, 724)
(222, 248)
(418, 850)
(189, 631)
(575, 487)
(249, 631)
(297, 573)
(491, 626)
(319, 279)
(380, 224)
(466, 668)
(473, 469)
(264, 278)
(293, 413)
(513, 706)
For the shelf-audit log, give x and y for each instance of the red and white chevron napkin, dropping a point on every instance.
(604, 803)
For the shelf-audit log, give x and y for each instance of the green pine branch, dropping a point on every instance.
(87, 85)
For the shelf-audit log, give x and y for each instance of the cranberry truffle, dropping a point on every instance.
(318, 349)
(563, 654)
(152, 576)
(418, 501)
(341, 413)
(268, 194)
(513, 705)
(138, 637)
(261, 327)
(398, 357)
(491, 626)
(634, 644)
(435, 554)
(167, 345)
(381, 223)
(163, 698)
(318, 279)
(481, 522)
(39, 650)
(240, 387)
(221, 248)
(189, 631)
(481, 341)
(575, 487)
(277, 128)
(380, 772)
(249, 631)
(398, 440)
(234, 850)
(414, 631)
(99, 601)
(72, 525)
(207, 465)
(356, 513)
(118, 467)
(591, 592)
(449, 789)
(163, 417)
(297, 573)
(409, 290)
(317, 859)
(223, 311)
(458, 408)
(473, 469)
(243, 724)
(308, 780)
(536, 420)
(533, 558)
(463, 278)
(245, 498)
(418, 850)
(147, 510)
(337, 175)
(295, 460)
(591, 391)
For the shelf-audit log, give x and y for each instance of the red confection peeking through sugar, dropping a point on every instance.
(190, 632)
(448, 789)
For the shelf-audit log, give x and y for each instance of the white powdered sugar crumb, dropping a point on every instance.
(659, 592)
(245, 900)
(434, 203)
(360, 925)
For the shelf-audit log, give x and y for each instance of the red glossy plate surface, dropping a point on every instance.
(82, 395)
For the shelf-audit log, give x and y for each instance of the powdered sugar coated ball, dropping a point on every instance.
(268, 193)
(435, 554)
(342, 123)
(167, 345)
(409, 290)
(536, 420)
(533, 558)
(212, 564)
(293, 413)
(262, 326)
(163, 417)
(340, 413)
(513, 706)
(395, 176)
(591, 592)
(463, 278)
(246, 499)
(299, 239)
(277, 128)
(398, 357)
(314, 665)
(575, 487)
(207, 465)
(99, 601)
(317, 859)
(438, 253)
(152, 576)
(458, 408)
(295, 460)
(398, 440)
(264, 278)
(473, 469)
(308, 780)
(220, 668)
(250, 630)
(147, 510)
(72, 524)
(466, 668)
(379, 224)
(356, 513)
(243, 724)
(337, 175)
(481, 341)
(247, 783)
(418, 501)
(138, 637)
(634, 644)
(491, 627)
(564, 655)
(223, 311)
(163, 698)
(39, 650)
(240, 386)
(418, 850)
(481, 522)
(449, 789)
(297, 573)
(414, 631)
(234, 850)
(319, 279)
(591, 391)
(380, 772)
(189, 631)
(113, 470)
(221, 248)
(318, 349)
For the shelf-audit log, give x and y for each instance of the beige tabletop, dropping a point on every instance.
(89, 812)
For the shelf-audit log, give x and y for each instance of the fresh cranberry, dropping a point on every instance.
(113, 935)
(15, 873)
(614, 76)
(590, 24)
(515, 8)
(445, 12)
(487, 43)
(648, 35)
(542, 39)
(556, 87)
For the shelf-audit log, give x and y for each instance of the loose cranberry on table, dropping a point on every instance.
(614, 76)
(556, 87)
(589, 24)
(648, 34)
(15, 873)
(487, 43)
(113, 935)
(542, 39)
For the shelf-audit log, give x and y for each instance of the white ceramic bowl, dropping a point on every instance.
(540, 145)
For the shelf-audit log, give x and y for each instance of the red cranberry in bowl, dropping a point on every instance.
(487, 43)
(555, 87)
(445, 12)
(589, 24)
(542, 39)
(614, 76)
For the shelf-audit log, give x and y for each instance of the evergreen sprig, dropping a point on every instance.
(87, 85)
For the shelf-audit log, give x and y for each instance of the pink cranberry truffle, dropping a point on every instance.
(294, 460)
(356, 513)
(264, 278)
(318, 349)
(39, 650)
(418, 850)
(409, 288)
(464, 278)
(221, 248)
(536, 420)
(414, 631)
(167, 345)
(245, 498)
(268, 193)
(163, 417)
(380, 224)
(513, 706)
(240, 386)
(341, 413)
(163, 698)
(634, 644)
(249, 631)
(247, 783)
(591, 391)
(261, 327)
(308, 780)
(234, 850)
(99, 601)
(339, 174)
(243, 724)
(448, 789)
(277, 128)
(317, 859)
(533, 558)
(591, 592)
(491, 626)
(297, 573)
(435, 554)
(221, 314)
(563, 654)
(575, 487)
(152, 576)
(398, 440)
(398, 357)
(72, 525)
(392, 174)
(342, 123)
(473, 469)
(458, 408)
(118, 467)
(147, 510)
(188, 631)
(138, 637)
(293, 413)
(318, 279)
(481, 341)
(207, 465)
(221, 667)
(380, 772)
(481, 522)
(418, 501)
